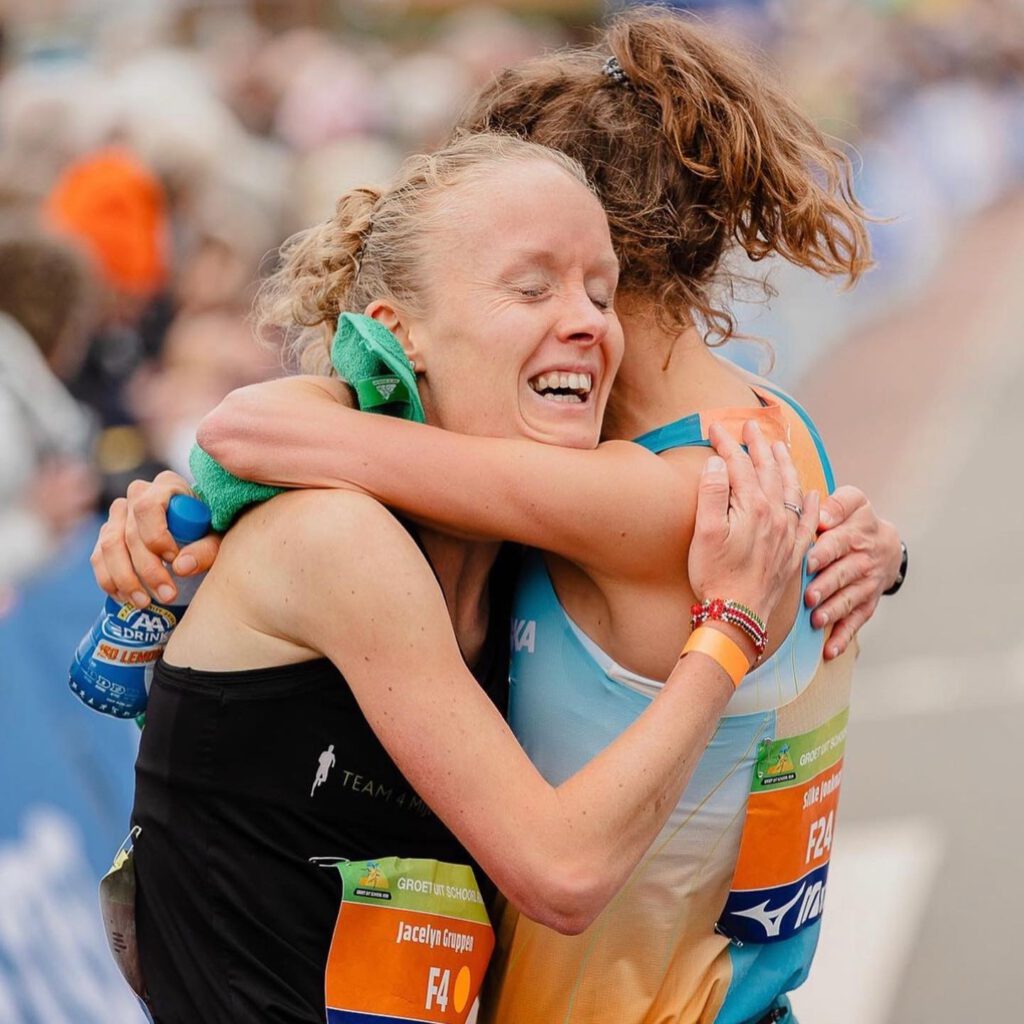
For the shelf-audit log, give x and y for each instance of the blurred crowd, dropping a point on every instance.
(153, 152)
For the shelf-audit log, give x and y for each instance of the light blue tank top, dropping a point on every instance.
(702, 931)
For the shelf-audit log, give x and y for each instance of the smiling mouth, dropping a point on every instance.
(556, 386)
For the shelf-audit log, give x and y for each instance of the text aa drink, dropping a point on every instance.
(113, 665)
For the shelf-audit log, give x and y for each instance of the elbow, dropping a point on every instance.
(222, 432)
(566, 899)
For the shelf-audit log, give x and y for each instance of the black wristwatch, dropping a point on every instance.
(901, 575)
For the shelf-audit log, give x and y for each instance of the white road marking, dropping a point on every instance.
(881, 877)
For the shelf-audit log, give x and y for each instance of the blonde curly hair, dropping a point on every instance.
(376, 245)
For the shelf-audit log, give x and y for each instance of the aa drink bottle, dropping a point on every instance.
(113, 665)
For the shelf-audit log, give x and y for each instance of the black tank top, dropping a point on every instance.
(243, 780)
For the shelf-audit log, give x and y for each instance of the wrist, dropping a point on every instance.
(721, 649)
(740, 619)
(737, 636)
(901, 573)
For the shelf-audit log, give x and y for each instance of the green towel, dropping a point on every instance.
(366, 355)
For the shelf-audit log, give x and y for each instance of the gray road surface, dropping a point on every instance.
(926, 412)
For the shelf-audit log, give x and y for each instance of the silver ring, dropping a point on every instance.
(793, 508)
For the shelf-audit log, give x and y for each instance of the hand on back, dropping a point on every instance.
(747, 545)
(857, 558)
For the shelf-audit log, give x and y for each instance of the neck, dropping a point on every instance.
(463, 570)
(664, 375)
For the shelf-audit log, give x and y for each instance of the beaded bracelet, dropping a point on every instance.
(736, 614)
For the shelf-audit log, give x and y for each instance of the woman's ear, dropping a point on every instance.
(400, 325)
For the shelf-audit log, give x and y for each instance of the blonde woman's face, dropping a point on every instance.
(521, 338)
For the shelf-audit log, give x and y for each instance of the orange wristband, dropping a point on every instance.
(718, 646)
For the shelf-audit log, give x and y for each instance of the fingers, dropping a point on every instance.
(147, 504)
(763, 457)
(111, 562)
(149, 567)
(712, 522)
(831, 547)
(845, 630)
(806, 527)
(840, 505)
(860, 594)
(847, 570)
(791, 489)
(99, 570)
(743, 480)
(199, 556)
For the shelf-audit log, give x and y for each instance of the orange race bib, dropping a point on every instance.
(412, 943)
(779, 884)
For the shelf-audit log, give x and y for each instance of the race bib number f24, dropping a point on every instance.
(779, 884)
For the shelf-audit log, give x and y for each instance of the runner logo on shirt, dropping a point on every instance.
(327, 762)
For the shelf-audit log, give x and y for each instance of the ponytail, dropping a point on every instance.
(693, 150)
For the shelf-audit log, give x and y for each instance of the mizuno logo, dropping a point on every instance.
(385, 388)
(770, 920)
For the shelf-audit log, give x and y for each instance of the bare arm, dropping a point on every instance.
(399, 655)
(570, 502)
(579, 504)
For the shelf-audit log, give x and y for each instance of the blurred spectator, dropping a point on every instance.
(113, 206)
(205, 356)
(46, 483)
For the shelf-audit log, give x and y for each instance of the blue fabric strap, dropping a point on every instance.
(684, 433)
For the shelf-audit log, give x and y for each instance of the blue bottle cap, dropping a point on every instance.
(188, 518)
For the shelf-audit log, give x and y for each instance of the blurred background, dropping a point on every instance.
(153, 151)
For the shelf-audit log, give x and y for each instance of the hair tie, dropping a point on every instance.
(613, 69)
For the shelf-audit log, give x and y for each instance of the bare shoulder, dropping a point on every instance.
(326, 570)
(761, 382)
(322, 530)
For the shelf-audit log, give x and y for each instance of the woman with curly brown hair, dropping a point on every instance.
(694, 154)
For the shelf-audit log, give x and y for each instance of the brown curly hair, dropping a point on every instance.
(693, 151)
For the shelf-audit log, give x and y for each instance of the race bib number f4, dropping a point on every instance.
(779, 884)
(411, 943)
